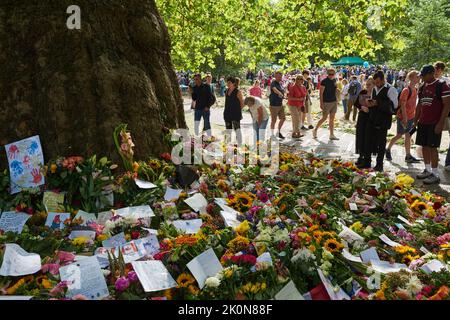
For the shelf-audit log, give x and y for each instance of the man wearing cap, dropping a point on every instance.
(432, 109)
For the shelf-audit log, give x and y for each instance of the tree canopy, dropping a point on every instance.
(211, 33)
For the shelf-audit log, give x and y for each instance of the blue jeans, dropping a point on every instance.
(198, 114)
(344, 103)
(260, 130)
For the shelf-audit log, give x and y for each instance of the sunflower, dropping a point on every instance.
(313, 228)
(193, 290)
(168, 294)
(184, 280)
(404, 249)
(418, 206)
(332, 245)
(244, 201)
(287, 187)
(409, 258)
(154, 164)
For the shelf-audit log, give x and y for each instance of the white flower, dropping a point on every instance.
(368, 231)
(212, 282)
(106, 272)
(414, 285)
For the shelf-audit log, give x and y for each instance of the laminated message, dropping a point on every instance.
(115, 241)
(347, 255)
(188, 226)
(335, 292)
(203, 266)
(55, 220)
(13, 221)
(197, 202)
(138, 212)
(172, 194)
(153, 275)
(387, 267)
(53, 201)
(230, 218)
(18, 262)
(369, 255)
(388, 241)
(144, 184)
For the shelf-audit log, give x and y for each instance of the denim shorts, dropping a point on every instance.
(401, 129)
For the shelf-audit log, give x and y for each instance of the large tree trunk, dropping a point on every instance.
(72, 87)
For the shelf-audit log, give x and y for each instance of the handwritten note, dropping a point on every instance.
(347, 255)
(56, 220)
(18, 262)
(197, 202)
(13, 221)
(230, 218)
(138, 212)
(386, 267)
(349, 235)
(203, 266)
(388, 241)
(25, 160)
(85, 277)
(172, 194)
(153, 275)
(53, 202)
(103, 216)
(433, 266)
(188, 226)
(404, 220)
(144, 184)
(369, 255)
(353, 206)
(289, 292)
(115, 241)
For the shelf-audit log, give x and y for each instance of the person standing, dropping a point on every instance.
(344, 95)
(354, 88)
(328, 102)
(296, 101)
(363, 118)
(211, 85)
(432, 109)
(234, 102)
(382, 105)
(222, 85)
(276, 104)
(439, 73)
(202, 99)
(256, 90)
(306, 109)
(260, 117)
(405, 117)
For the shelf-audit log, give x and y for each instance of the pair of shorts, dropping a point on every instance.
(403, 130)
(277, 111)
(329, 107)
(426, 137)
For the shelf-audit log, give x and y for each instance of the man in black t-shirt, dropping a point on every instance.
(328, 102)
(203, 99)
(276, 104)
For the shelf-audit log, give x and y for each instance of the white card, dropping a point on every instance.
(18, 262)
(388, 241)
(347, 255)
(172, 194)
(424, 250)
(85, 277)
(197, 202)
(349, 235)
(139, 212)
(153, 275)
(203, 266)
(115, 241)
(148, 245)
(188, 226)
(150, 231)
(144, 184)
(82, 233)
(433, 266)
(403, 219)
(56, 220)
(339, 295)
(13, 221)
(289, 292)
(369, 255)
(87, 217)
(230, 219)
(104, 216)
(353, 206)
(386, 267)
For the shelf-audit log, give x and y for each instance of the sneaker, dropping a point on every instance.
(310, 127)
(303, 128)
(432, 179)
(388, 155)
(280, 136)
(423, 175)
(334, 138)
(410, 159)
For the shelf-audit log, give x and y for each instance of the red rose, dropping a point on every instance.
(372, 192)
(135, 235)
(437, 205)
(30, 211)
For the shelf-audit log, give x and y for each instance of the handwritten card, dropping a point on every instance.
(148, 245)
(197, 202)
(349, 235)
(433, 266)
(388, 241)
(18, 262)
(86, 217)
(230, 218)
(53, 202)
(347, 255)
(103, 216)
(203, 266)
(424, 250)
(56, 220)
(115, 241)
(153, 275)
(386, 267)
(353, 206)
(369, 255)
(188, 226)
(144, 184)
(25, 160)
(13, 221)
(85, 277)
(172, 194)
(139, 212)
(404, 220)
(289, 292)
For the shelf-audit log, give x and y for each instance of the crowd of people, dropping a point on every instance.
(420, 101)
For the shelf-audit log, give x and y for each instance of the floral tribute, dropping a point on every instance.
(312, 223)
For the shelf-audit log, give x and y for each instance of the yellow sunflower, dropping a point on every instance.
(184, 280)
(193, 290)
(287, 187)
(332, 245)
(404, 249)
(418, 206)
(154, 164)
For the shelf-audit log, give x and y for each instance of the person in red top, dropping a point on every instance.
(256, 90)
(405, 116)
(432, 109)
(296, 100)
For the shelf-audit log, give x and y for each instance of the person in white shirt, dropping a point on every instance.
(439, 68)
(260, 117)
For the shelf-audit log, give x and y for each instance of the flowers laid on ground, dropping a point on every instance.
(312, 223)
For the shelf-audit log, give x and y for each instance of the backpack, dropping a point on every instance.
(353, 88)
(409, 96)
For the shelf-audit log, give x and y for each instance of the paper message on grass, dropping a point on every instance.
(349, 235)
(433, 266)
(13, 221)
(369, 254)
(85, 277)
(386, 267)
(188, 226)
(115, 241)
(388, 241)
(197, 202)
(138, 212)
(53, 202)
(153, 275)
(289, 292)
(144, 184)
(203, 266)
(86, 217)
(25, 159)
(347, 255)
(172, 194)
(55, 220)
(230, 218)
(18, 262)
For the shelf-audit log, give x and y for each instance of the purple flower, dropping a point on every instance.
(122, 284)
(132, 276)
(263, 197)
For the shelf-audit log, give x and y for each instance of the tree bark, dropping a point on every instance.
(73, 87)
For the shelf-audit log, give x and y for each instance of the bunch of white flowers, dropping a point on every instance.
(212, 282)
